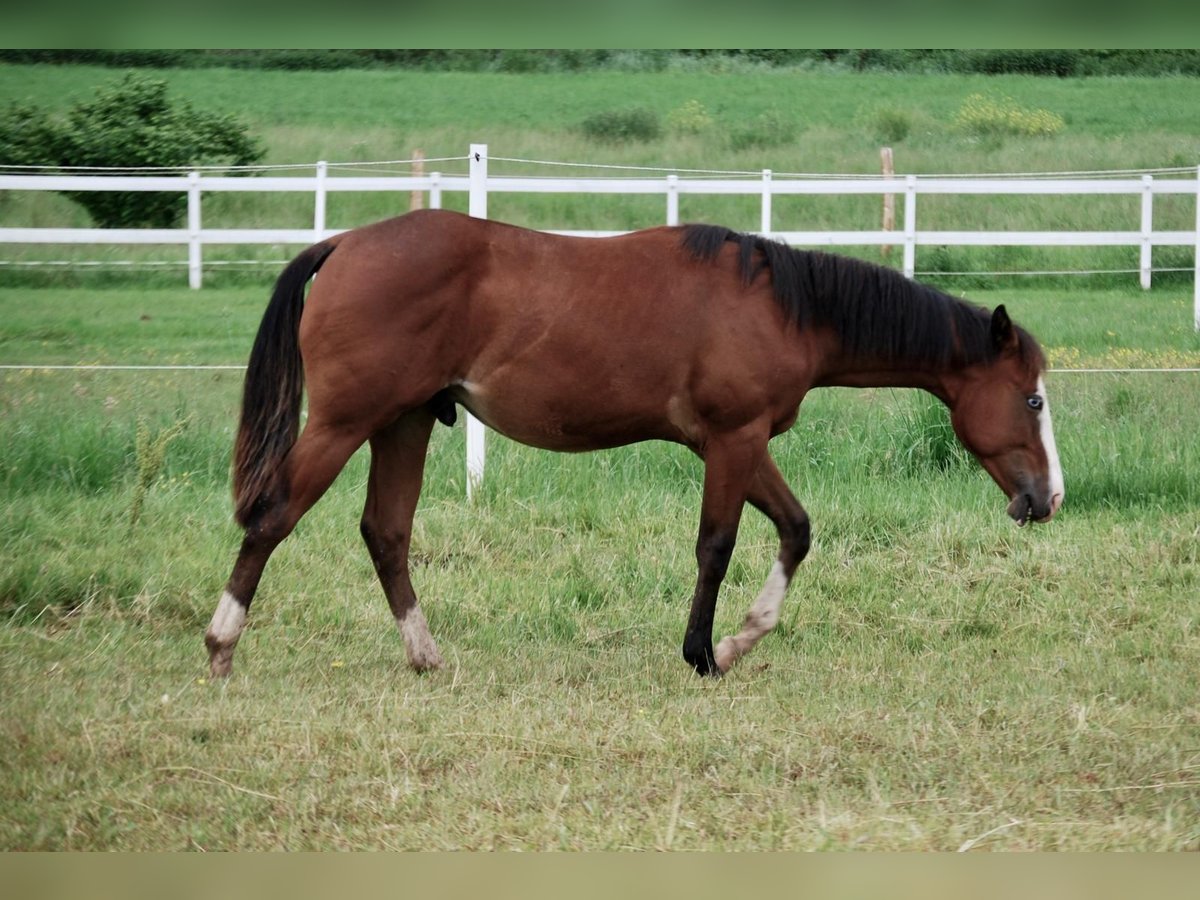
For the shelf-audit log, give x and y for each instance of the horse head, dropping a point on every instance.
(1000, 412)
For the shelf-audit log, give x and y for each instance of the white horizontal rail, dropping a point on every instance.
(478, 183)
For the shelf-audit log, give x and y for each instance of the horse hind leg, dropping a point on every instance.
(397, 469)
(310, 467)
(770, 494)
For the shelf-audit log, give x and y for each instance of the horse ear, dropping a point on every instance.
(1004, 336)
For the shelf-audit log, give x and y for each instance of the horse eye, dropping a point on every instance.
(1034, 401)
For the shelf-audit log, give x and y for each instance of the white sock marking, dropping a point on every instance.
(764, 613)
(762, 617)
(418, 642)
(228, 620)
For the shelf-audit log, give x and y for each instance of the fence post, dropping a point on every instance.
(416, 198)
(672, 199)
(765, 219)
(888, 167)
(435, 190)
(1196, 260)
(476, 206)
(1147, 229)
(910, 225)
(319, 202)
(195, 274)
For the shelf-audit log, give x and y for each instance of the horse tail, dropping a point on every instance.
(270, 419)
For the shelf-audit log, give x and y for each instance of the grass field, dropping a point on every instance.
(940, 678)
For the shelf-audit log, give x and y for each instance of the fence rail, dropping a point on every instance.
(478, 184)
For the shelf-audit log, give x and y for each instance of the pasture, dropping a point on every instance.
(940, 679)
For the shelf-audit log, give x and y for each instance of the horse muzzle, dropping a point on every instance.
(1023, 508)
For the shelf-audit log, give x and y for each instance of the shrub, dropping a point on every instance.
(769, 129)
(891, 125)
(984, 116)
(128, 124)
(617, 126)
(25, 136)
(691, 118)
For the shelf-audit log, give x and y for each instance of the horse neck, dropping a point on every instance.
(873, 372)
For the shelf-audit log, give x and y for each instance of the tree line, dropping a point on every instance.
(1060, 63)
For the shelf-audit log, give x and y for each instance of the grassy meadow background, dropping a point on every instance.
(939, 680)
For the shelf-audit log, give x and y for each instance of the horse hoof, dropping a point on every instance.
(427, 663)
(727, 654)
(220, 662)
(705, 665)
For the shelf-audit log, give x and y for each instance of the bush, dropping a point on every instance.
(128, 124)
(769, 129)
(984, 116)
(25, 137)
(691, 118)
(891, 125)
(617, 126)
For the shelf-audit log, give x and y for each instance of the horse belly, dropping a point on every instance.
(570, 416)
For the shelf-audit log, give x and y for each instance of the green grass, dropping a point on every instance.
(938, 675)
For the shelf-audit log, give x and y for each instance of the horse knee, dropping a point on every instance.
(803, 536)
(714, 550)
(795, 536)
(386, 545)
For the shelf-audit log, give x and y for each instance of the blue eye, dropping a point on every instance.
(1035, 401)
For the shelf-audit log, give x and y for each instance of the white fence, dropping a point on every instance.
(478, 184)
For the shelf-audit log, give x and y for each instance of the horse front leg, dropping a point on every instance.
(770, 494)
(730, 462)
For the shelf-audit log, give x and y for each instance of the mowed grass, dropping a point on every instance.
(939, 680)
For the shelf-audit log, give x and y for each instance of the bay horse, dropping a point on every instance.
(694, 334)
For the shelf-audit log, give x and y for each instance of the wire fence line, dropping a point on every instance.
(615, 167)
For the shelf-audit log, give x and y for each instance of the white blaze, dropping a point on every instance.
(1055, 469)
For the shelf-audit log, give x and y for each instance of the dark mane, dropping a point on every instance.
(874, 309)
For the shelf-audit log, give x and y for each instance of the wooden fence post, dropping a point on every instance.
(416, 199)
